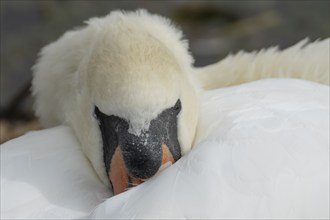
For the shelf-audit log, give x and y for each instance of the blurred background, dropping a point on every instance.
(214, 29)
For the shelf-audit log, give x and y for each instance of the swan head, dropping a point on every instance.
(139, 102)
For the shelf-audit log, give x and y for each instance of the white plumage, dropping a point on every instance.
(45, 175)
(104, 64)
(303, 60)
(261, 150)
(264, 154)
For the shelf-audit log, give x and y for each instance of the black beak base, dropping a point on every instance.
(142, 154)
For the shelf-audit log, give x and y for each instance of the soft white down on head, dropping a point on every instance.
(132, 65)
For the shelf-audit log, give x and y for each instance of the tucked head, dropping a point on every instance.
(142, 98)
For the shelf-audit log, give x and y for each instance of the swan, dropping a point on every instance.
(121, 81)
(130, 76)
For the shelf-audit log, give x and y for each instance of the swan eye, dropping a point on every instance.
(118, 124)
(177, 106)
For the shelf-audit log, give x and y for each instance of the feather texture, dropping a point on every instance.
(262, 151)
(45, 175)
(304, 60)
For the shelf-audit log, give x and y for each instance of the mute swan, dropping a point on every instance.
(129, 76)
(131, 71)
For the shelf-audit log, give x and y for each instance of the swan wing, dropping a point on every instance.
(262, 151)
(45, 175)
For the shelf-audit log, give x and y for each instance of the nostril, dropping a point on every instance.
(142, 161)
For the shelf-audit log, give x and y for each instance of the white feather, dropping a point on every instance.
(45, 175)
(263, 153)
(304, 60)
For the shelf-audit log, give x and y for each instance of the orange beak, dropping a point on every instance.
(118, 173)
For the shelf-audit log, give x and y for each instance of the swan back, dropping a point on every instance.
(304, 60)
